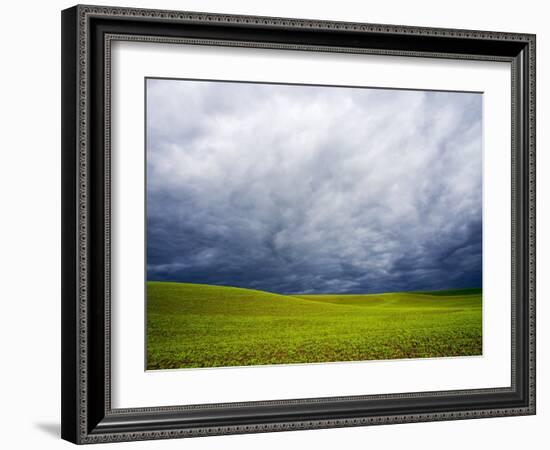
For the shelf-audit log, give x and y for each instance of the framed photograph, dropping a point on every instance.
(276, 224)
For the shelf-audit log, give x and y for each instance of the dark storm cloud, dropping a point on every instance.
(308, 189)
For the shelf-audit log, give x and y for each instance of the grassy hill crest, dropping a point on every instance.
(198, 325)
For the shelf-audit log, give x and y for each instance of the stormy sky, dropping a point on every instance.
(304, 189)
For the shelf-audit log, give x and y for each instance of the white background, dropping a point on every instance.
(133, 387)
(30, 226)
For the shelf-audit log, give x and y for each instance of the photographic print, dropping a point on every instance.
(324, 204)
(294, 224)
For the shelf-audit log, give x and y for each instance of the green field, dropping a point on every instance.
(195, 325)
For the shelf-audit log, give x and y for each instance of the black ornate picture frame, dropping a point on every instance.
(87, 35)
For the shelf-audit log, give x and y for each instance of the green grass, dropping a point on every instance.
(195, 325)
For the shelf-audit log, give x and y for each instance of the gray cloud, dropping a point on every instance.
(313, 189)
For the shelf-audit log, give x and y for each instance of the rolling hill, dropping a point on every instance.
(195, 325)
